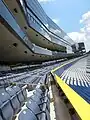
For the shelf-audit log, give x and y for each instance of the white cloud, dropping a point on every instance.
(84, 34)
(56, 20)
(85, 18)
(77, 36)
(45, 1)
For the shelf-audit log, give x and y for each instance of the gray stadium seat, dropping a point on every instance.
(20, 97)
(41, 113)
(7, 110)
(39, 92)
(9, 94)
(38, 99)
(15, 103)
(19, 94)
(4, 95)
(41, 101)
(10, 91)
(16, 88)
(32, 105)
(27, 115)
(5, 107)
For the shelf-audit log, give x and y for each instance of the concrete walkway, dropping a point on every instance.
(60, 107)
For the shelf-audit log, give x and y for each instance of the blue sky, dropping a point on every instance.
(68, 12)
(71, 16)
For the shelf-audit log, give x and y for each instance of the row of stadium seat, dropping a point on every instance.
(27, 77)
(14, 96)
(37, 107)
(11, 100)
(78, 79)
(88, 65)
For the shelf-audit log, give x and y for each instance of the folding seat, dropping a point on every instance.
(10, 91)
(5, 105)
(38, 80)
(4, 96)
(7, 110)
(26, 79)
(35, 79)
(39, 112)
(21, 97)
(21, 78)
(41, 93)
(27, 114)
(19, 94)
(15, 104)
(43, 78)
(14, 99)
(41, 101)
(16, 88)
(33, 105)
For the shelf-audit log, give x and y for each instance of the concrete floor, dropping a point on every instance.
(60, 107)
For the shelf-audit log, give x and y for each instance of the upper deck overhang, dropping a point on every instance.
(31, 29)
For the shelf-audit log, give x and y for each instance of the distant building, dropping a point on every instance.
(79, 48)
(75, 48)
(82, 47)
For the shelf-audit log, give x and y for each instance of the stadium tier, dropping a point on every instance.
(29, 35)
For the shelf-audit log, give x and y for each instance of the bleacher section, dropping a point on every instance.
(11, 100)
(25, 96)
(77, 78)
(88, 65)
(37, 107)
(74, 81)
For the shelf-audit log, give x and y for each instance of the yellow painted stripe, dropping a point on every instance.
(58, 68)
(61, 66)
(64, 64)
(80, 105)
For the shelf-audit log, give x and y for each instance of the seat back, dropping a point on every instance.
(4, 96)
(7, 110)
(27, 114)
(10, 91)
(32, 105)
